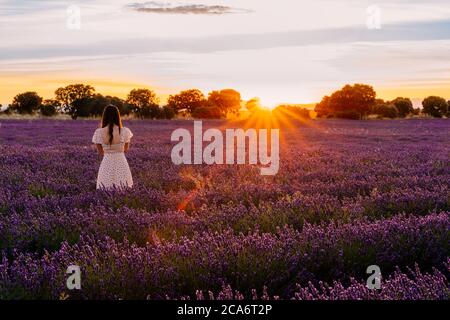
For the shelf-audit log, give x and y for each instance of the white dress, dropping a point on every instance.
(114, 171)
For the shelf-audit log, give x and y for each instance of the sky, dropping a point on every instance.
(284, 51)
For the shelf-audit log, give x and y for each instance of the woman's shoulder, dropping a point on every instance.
(97, 137)
(98, 131)
(126, 130)
(126, 134)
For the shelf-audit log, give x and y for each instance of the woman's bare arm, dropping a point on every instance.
(126, 147)
(99, 149)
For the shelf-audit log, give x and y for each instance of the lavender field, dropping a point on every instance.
(349, 194)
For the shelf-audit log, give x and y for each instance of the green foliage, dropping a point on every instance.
(94, 105)
(152, 111)
(404, 106)
(323, 107)
(26, 103)
(386, 110)
(348, 114)
(351, 102)
(144, 103)
(187, 100)
(435, 106)
(207, 112)
(49, 108)
(348, 101)
(226, 101)
(66, 96)
(168, 112)
(82, 107)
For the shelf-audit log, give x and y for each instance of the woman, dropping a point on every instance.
(113, 141)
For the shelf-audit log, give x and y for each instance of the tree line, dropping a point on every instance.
(359, 101)
(80, 100)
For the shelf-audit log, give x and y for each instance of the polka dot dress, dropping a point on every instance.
(114, 171)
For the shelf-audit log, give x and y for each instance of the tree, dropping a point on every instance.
(67, 95)
(27, 102)
(323, 107)
(386, 110)
(187, 100)
(227, 101)
(359, 98)
(98, 102)
(404, 106)
(435, 106)
(207, 112)
(121, 104)
(348, 114)
(95, 105)
(82, 107)
(167, 113)
(144, 103)
(253, 105)
(49, 107)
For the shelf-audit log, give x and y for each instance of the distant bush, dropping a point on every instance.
(386, 111)
(144, 103)
(49, 108)
(152, 111)
(404, 106)
(348, 114)
(48, 111)
(26, 103)
(168, 113)
(435, 106)
(207, 112)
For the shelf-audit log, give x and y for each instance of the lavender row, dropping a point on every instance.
(207, 260)
(46, 223)
(412, 285)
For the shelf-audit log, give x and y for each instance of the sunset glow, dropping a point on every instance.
(308, 49)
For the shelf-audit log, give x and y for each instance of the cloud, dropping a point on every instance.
(411, 31)
(178, 8)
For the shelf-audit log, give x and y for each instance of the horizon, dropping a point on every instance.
(306, 52)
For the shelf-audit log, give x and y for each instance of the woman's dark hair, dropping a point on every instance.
(111, 117)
